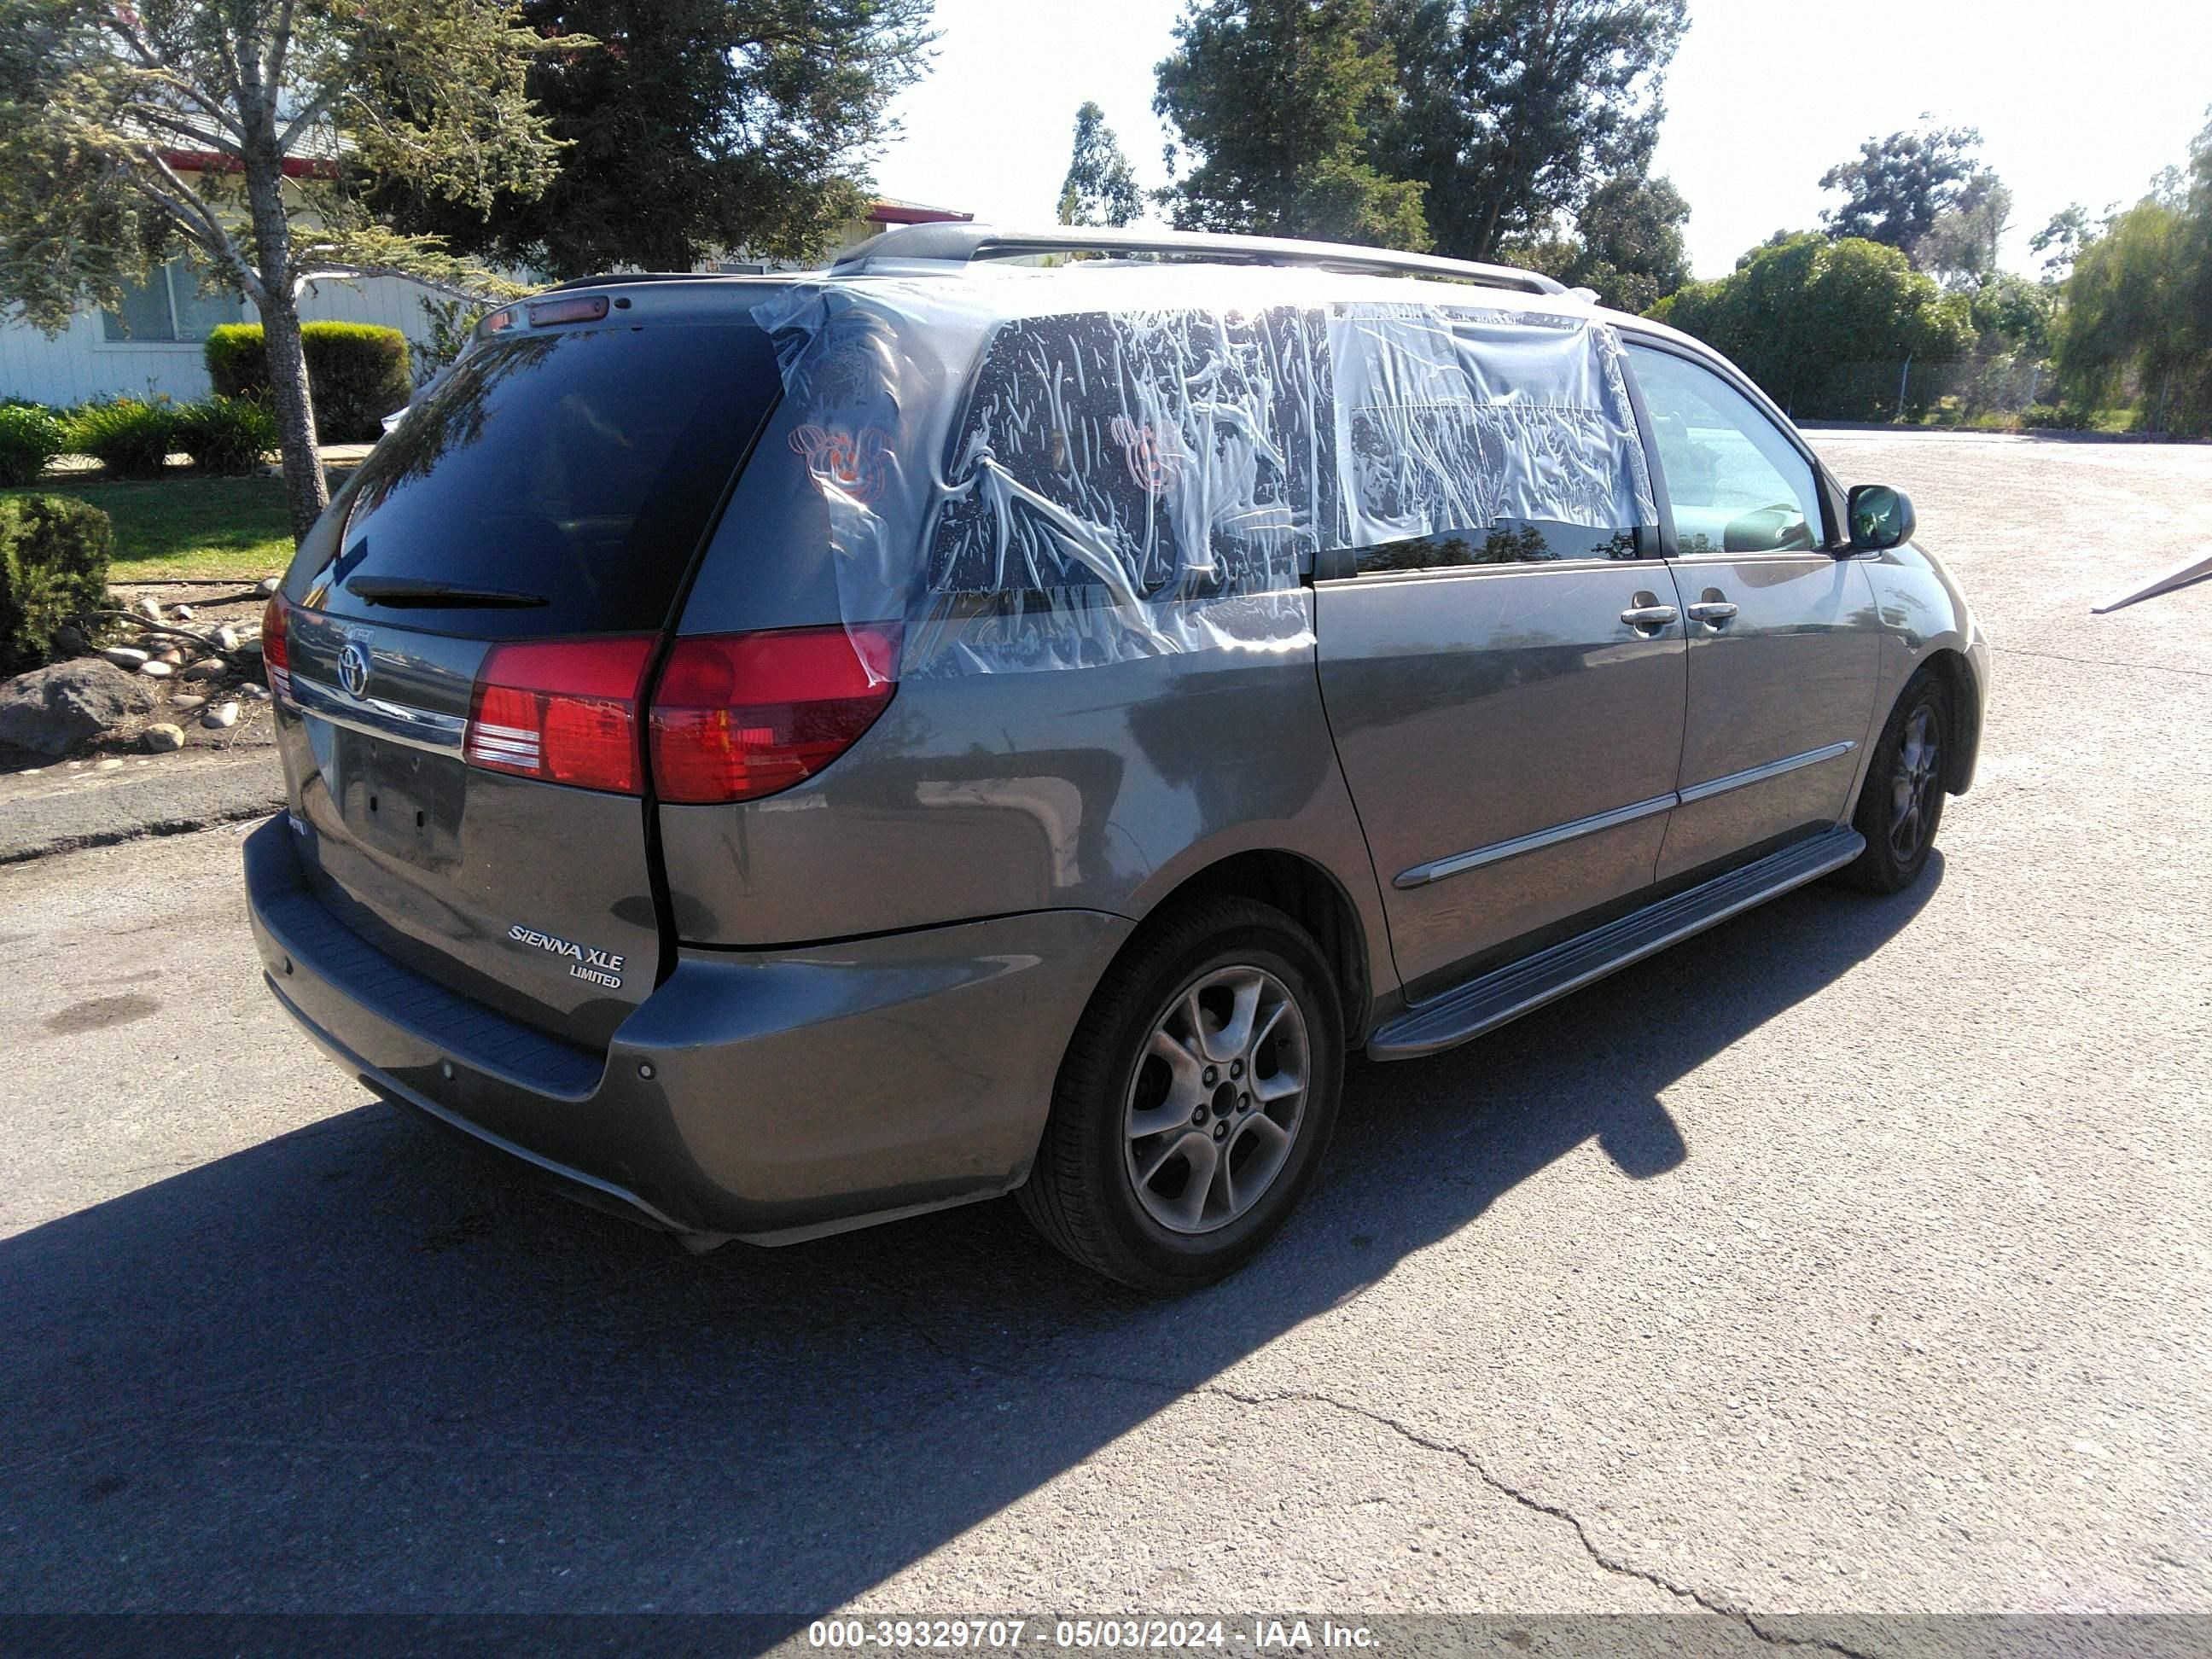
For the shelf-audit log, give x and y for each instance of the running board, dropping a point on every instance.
(1488, 1002)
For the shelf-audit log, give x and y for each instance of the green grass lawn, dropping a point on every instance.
(187, 526)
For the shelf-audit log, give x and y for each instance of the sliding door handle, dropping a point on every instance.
(1649, 619)
(1712, 612)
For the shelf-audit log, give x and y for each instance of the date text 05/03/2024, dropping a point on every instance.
(1257, 1636)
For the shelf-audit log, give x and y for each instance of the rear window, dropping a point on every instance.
(572, 473)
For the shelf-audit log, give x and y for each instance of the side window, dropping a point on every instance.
(1156, 455)
(1737, 485)
(1477, 438)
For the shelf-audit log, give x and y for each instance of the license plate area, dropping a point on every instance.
(401, 800)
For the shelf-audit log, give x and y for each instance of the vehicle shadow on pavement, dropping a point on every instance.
(360, 1367)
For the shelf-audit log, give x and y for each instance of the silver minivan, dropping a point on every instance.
(1009, 713)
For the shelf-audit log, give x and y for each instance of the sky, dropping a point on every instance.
(2076, 103)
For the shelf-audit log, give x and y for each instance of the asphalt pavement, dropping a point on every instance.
(1850, 1258)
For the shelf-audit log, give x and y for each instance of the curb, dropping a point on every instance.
(168, 803)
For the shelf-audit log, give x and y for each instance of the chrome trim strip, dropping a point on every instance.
(1421, 874)
(1760, 774)
(418, 728)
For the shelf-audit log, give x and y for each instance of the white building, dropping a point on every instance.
(152, 345)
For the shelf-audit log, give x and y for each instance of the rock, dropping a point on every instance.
(157, 669)
(184, 613)
(270, 584)
(125, 656)
(254, 690)
(52, 709)
(226, 639)
(147, 606)
(207, 668)
(173, 656)
(223, 714)
(68, 643)
(186, 704)
(165, 737)
(109, 766)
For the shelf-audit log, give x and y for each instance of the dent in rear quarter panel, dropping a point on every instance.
(985, 794)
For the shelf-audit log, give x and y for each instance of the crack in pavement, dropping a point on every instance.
(1622, 1567)
(1529, 1501)
(2101, 662)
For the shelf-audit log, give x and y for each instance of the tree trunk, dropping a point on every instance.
(307, 491)
(305, 487)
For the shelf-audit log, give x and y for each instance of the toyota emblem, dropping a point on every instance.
(353, 668)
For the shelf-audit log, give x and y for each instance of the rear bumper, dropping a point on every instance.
(769, 1096)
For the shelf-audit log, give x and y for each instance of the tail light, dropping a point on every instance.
(562, 710)
(737, 716)
(277, 646)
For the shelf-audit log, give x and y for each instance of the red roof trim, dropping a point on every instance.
(207, 160)
(906, 213)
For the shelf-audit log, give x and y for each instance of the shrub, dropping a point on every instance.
(357, 373)
(54, 551)
(130, 439)
(30, 436)
(2059, 417)
(226, 435)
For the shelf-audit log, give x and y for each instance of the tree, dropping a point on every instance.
(1512, 112)
(1961, 248)
(704, 127)
(1099, 189)
(1270, 96)
(1901, 184)
(2016, 314)
(2136, 316)
(290, 103)
(1824, 326)
(1629, 246)
(2062, 240)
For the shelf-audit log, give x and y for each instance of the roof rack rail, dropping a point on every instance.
(970, 244)
(619, 278)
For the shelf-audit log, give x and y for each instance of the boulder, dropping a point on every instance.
(51, 710)
(223, 714)
(164, 736)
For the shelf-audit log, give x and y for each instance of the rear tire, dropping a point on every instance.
(1196, 1100)
(1901, 803)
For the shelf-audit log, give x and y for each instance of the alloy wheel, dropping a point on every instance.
(1217, 1100)
(1918, 775)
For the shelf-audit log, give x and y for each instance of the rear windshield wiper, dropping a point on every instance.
(420, 591)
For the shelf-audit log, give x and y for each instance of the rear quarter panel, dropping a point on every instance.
(1099, 788)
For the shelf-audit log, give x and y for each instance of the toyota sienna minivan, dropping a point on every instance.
(1009, 713)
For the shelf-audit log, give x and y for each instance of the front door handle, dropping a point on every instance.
(1711, 612)
(1649, 619)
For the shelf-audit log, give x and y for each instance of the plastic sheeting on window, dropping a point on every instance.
(1059, 469)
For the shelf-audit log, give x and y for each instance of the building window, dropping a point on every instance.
(170, 308)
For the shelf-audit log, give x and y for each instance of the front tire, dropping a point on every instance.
(1196, 1098)
(1901, 803)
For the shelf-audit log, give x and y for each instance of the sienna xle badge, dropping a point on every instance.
(777, 754)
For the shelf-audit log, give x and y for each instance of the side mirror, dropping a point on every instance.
(1880, 517)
